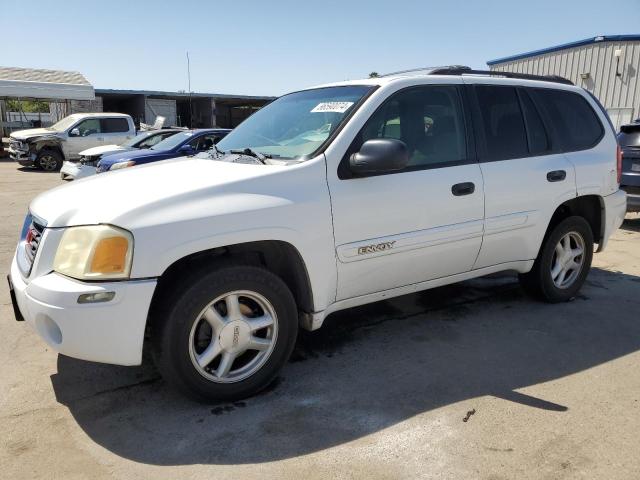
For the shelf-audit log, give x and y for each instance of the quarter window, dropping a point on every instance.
(114, 125)
(428, 120)
(575, 123)
(503, 124)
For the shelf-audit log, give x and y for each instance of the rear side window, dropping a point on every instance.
(576, 125)
(503, 124)
(114, 125)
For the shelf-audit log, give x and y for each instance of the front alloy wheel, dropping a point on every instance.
(223, 333)
(233, 336)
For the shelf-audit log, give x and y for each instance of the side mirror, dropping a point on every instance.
(378, 156)
(186, 149)
(75, 132)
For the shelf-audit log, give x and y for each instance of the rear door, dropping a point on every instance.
(115, 130)
(526, 176)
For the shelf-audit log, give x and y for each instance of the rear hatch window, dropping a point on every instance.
(629, 135)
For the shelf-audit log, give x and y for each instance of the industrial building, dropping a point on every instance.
(70, 92)
(607, 66)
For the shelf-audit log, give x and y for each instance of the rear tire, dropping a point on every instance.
(226, 333)
(563, 262)
(49, 160)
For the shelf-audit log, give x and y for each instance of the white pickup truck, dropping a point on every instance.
(47, 148)
(327, 198)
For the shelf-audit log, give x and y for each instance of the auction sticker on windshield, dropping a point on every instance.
(339, 107)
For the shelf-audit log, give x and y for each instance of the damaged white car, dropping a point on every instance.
(47, 148)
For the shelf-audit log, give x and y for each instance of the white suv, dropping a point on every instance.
(325, 199)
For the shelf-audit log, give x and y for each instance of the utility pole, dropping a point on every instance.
(189, 82)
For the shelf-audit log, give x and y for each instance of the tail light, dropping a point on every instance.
(619, 162)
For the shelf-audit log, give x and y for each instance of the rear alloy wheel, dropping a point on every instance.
(563, 262)
(224, 333)
(49, 160)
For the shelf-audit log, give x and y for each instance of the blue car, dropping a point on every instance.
(181, 144)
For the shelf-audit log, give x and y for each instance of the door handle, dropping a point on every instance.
(556, 176)
(465, 188)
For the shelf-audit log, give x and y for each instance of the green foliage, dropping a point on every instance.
(28, 106)
(374, 75)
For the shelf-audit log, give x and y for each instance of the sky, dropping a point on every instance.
(271, 47)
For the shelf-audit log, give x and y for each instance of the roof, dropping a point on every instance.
(39, 83)
(159, 93)
(99, 114)
(564, 46)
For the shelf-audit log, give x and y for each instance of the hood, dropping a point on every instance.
(32, 132)
(132, 196)
(101, 150)
(127, 155)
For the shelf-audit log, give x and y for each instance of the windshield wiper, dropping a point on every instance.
(252, 153)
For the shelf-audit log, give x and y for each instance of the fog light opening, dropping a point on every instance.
(96, 297)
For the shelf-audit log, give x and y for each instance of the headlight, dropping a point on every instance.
(96, 252)
(118, 166)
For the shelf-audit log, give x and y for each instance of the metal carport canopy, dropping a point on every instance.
(44, 84)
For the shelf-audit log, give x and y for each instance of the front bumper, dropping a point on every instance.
(22, 157)
(75, 170)
(108, 332)
(615, 209)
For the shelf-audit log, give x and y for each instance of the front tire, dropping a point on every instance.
(225, 334)
(563, 262)
(49, 160)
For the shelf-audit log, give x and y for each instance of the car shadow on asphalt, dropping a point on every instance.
(631, 222)
(367, 369)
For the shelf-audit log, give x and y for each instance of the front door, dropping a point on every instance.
(418, 224)
(84, 135)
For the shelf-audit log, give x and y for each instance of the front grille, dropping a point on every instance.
(90, 160)
(32, 240)
(16, 145)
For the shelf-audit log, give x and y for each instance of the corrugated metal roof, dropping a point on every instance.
(578, 43)
(156, 93)
(40, 75)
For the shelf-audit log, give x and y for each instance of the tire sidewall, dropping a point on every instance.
(549, 289)
(175, 361)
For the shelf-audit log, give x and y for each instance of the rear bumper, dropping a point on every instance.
(615, 209)
(108, 332)
(74, 170)
(633, 198)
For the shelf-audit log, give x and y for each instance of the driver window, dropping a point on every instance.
(89, 127)
(203, 143)
(427, 119)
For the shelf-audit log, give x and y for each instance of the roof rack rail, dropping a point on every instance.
(428, 70)
(495, 73)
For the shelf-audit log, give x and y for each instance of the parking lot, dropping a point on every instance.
(474, 380)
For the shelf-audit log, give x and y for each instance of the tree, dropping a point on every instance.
(374, 75)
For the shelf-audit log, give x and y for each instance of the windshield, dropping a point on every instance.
(63, 124)
(172, 141)
(133, 141)
(297, 124)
